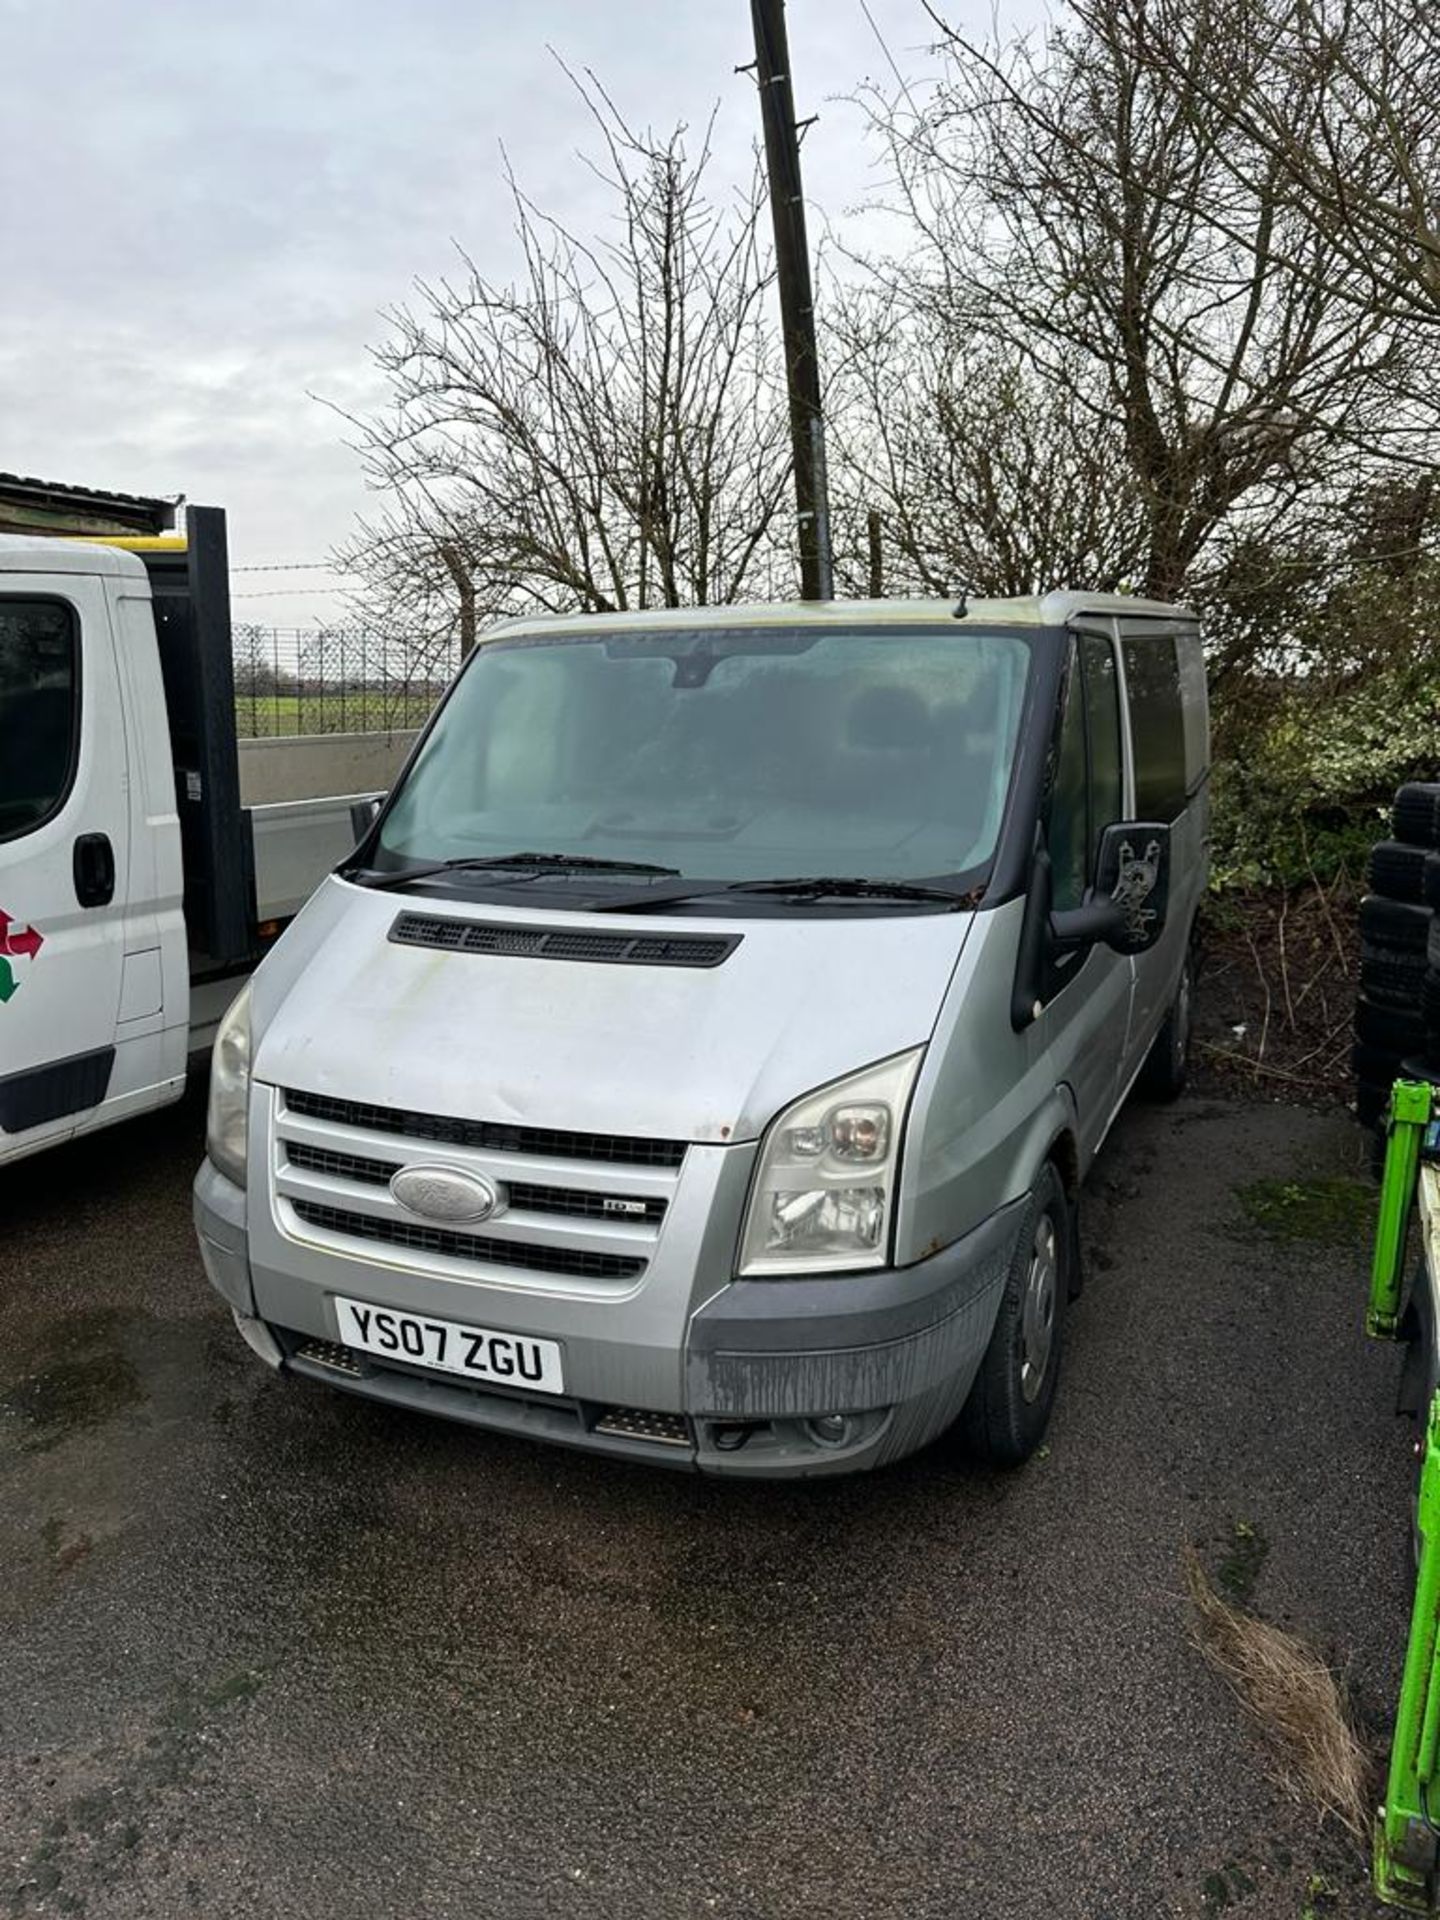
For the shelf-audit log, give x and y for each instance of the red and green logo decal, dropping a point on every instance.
(14, 941)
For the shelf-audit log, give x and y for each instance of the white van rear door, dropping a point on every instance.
(64, 853)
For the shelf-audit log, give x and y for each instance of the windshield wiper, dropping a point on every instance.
(504, 862)
(803, 887)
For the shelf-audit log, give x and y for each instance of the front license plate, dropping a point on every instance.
(478, 1353)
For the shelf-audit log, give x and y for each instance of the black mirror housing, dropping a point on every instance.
(1132, 890)
(1133, 878)
(1126, 909)
(1077, 927)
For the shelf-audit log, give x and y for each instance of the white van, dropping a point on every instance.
(700, 1057)
(136, 888)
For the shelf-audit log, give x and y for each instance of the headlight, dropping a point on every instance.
(824, 1189)
(226, 1125)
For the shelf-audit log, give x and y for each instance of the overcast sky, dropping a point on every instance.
(204, 209)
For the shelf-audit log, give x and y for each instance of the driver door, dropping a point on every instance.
(64, 854)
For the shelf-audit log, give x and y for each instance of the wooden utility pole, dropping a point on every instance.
(797, 302)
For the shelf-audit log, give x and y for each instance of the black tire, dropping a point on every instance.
(1397, 924)
(1005, 1418)
(1430, 1010)
(1391, 978)
(1431, 889)
(1417, 812)
(1372, 1098)
(1376, 1064)
(1167, 1065)
(1398, 871)
(1391, 1029)
(1372, 1087)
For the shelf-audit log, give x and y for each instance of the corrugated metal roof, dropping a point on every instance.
(28, 503)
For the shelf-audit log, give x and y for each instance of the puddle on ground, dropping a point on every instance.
(84, 1378)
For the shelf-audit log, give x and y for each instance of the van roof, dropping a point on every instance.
(48, 553)
(1056, 609)
(31, 553)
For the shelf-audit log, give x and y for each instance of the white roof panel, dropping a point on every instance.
(35, 553)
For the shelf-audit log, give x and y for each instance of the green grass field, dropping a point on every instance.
(263, 715)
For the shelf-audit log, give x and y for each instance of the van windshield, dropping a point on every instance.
(733, 754)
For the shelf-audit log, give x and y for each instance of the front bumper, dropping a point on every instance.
(885, 1360)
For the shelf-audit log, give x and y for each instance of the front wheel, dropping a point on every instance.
(1005, 1418)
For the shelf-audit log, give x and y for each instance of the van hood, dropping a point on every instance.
(679, 1053)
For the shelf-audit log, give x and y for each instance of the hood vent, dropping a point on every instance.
(562, 943)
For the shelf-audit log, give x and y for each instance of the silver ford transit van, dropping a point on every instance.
(700, 1057)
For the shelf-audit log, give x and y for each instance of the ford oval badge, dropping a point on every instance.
(443, 1193)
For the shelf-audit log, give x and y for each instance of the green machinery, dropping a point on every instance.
(1407, 1833)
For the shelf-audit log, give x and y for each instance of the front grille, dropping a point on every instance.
(578, 1205)
(490, 1135)
(344, 1166)
(505, 939)
(469, 1246)
(572, 1202)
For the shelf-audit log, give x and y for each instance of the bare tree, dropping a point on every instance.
(608, 432)
(983, 474)
(1342, 98)
(1094, 210)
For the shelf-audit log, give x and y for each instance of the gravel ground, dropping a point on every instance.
(269, 1650)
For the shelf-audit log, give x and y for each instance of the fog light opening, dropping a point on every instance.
(830, 1429)
(732, 1436)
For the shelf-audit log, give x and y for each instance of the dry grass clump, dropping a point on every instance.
(1295, 1700)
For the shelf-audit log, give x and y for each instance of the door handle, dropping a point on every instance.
(94, 870)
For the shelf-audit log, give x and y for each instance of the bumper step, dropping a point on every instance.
(328, 1353)
(633, 1423)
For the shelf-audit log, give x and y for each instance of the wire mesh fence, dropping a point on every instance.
(297, 680)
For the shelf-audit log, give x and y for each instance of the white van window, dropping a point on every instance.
(727, 753)
(1157, 726)
(39, 711)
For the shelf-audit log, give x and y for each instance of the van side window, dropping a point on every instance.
(1197, 715)
(1102, 707)
(1087, 796)
(39, 711)
(1157, 726)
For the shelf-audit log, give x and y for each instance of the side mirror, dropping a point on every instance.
(1132, 892)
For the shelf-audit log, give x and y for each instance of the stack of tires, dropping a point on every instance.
(1397, 1016)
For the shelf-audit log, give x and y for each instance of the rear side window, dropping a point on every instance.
(1197, 709)
(1157, 726)
(39, 711)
